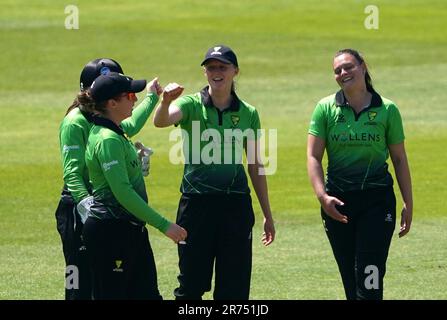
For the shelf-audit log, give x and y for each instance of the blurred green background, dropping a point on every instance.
(285, 50)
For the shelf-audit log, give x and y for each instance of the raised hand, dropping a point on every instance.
(154, 87)
(171, 92)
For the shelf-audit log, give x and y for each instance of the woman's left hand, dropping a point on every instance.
(269, 231)
(154, 87)
(405, 221)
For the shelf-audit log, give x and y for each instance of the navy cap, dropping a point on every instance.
(110, 85)
(95, 68)
(221, 53)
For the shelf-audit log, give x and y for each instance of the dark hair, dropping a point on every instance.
(74, 104)
(360, 60)
(89, 73)
(87, 104)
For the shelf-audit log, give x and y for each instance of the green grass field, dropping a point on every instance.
(285, 50)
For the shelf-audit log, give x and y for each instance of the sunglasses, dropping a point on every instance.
(130, 95)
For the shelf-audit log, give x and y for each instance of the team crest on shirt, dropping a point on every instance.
(235, 120)
(372, 115)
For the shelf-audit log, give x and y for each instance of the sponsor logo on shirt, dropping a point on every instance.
(68, 148)
(361, 136)
(134, 163)
(340, 118)
(118, 264)
(108, 165)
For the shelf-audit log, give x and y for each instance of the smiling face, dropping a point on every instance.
(349, 74)
(220, 75)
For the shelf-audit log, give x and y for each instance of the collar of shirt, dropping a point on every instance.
(340, 99)
(87, 115)
(109, 124)
(208, 101)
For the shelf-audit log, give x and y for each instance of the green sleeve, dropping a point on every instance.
(111, 156)
(394, 130)
(256, 125)
(72, 147)
(140, 114)
(318, 122)
(185, 105)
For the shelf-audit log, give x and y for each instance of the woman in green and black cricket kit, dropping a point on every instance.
(119, 251)
(215, 206)
(359, 129)
(76, 193)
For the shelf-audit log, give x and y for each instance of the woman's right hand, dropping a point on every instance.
(154, 87)
(328, 203)
(171, 92)
(176, 233)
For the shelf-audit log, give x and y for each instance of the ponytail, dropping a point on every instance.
(87, 104)
(74, 104)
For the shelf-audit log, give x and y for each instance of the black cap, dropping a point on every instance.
(221, 53)
(95, 68)
(108, 86)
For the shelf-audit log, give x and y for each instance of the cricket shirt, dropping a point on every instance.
(214, 142)
(73, 135)
(115, 174)
(357, 144)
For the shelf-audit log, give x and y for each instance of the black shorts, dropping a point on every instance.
(219, 232)
(361, 246)
(121, 259)
(77, 275)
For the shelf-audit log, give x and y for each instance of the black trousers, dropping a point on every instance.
(121, 260)
(361, 246)
(77, 275)
(219, 231)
